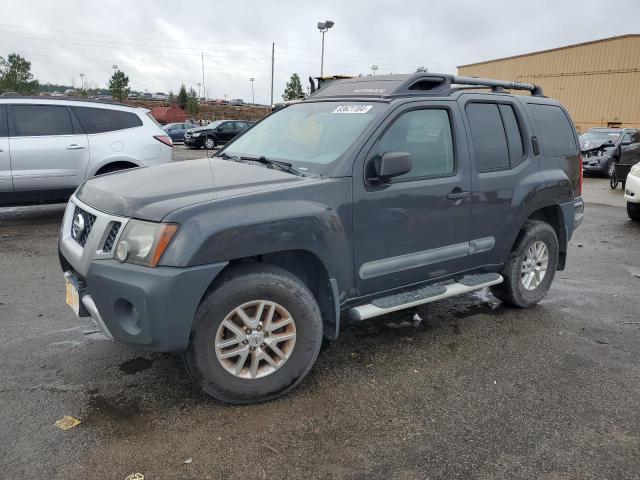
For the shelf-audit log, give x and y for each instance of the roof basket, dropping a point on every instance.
(389, 86)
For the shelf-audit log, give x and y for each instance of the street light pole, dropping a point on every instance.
(374, 68)
(82, 80)
(253, 97)
(199, 97)
(323, 27)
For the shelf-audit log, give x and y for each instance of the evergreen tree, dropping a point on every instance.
(293, 90)
(119, 86)
(182, 97)
(192, 102)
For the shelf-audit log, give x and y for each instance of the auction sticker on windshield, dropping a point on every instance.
(353, 109)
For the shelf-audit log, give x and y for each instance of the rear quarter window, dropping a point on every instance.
(4, 128)
(555, 132)
(101, 120)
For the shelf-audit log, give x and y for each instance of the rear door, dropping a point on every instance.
(502, 169)
(48, 149)
(6, 184)
(415, 228)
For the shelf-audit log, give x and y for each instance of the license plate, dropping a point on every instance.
(73, 298)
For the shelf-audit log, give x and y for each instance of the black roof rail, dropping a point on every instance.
(498, 85)
(390, 86)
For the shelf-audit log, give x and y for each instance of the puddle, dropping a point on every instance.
(136, 365)
(115, 410)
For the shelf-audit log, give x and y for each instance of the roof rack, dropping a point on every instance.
(390, 86)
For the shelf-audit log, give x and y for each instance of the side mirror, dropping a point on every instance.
(390, 165)
(626, 143)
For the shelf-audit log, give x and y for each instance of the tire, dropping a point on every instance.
(613, 181)
(209, 143)
(633, 210)
(610, 169)
(240, 287)
(513, 291)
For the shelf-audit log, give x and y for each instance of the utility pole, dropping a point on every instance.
(199, 84)
(204, 89)
(273, 54)
(82, 80)
(374, 68)
(253, 96)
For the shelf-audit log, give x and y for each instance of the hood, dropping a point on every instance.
(198, 129)
(150, 193)
(589, 145)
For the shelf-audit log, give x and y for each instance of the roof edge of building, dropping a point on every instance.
(617, 37)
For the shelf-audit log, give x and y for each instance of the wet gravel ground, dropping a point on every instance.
(467, 389)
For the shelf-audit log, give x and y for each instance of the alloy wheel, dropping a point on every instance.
(255, 339)
(534, 265)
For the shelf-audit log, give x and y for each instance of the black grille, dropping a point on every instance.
(81, 236)
(111, 238)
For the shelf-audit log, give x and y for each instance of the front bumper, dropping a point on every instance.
(595, 166)
(193, 141)
(632, 189)
(149, 308)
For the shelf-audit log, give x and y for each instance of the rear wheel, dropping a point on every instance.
(633, 210)
(256, 335)
(531, 266)
(613, 180)
(611, 168)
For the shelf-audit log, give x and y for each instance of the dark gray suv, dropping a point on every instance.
(374, 195)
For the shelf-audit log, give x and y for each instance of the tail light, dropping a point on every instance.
(578, 191)
(164, 139)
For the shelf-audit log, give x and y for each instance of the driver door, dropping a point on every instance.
(415, 227)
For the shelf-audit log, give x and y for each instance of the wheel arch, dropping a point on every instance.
(311, 271)
(553, 215)
(121, 163)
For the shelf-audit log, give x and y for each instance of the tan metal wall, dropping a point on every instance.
(598, 82)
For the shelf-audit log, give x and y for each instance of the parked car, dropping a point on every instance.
(236, 101)
(50, 146)
(374, 195)
(147, 96)
(214, 134)
(601, 149)
(632, 192)
(177, 130)
(160, 97)
(133, 96)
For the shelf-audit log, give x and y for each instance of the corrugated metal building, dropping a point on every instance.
(598, 82)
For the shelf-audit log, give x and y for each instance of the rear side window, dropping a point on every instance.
(100, 120)
(488, 136)
(495, 135)
(41, 120)
(4, 130)
(555, 132)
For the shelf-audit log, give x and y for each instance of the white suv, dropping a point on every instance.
(48, 147)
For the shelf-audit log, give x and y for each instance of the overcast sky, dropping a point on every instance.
(159, 43)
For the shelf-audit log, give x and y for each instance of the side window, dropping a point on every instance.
(514, 139)
(626, 138)
(4, 129)
(100, 120)
(41, 120)
(555, 133)
(635, 137)
(426, 135)
(226, 127)
(488, 136)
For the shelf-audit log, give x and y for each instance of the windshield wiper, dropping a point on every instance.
(285, 166)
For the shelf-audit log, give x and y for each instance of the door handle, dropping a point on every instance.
(457, 195)
(73, 146)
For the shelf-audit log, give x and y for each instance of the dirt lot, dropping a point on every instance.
(468, 390)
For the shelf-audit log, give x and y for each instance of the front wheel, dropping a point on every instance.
(209, 143)
(611, 168)
(633, 210)
(256, 335)
(531, 266)
(613, 180)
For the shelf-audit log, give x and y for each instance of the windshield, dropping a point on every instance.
(214, 124)
(308, 135)
(599, 136)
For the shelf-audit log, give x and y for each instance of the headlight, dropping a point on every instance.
(195, 134)
(143, 243)
(635, 170)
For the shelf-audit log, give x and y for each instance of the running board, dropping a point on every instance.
(400, 301)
